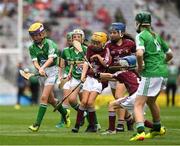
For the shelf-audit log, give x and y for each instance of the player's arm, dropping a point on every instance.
(106, 76)
(139, 52)
(169, 55)
(36, 64)
(34, 58)
(84, 71)
(61, 67)
(166, 50)
(139, 55)
(101, 59)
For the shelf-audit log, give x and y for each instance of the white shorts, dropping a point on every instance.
(92, 84)
(128, 102)
(52, 76)
(151, 86)
(72, 83)
(113, 84)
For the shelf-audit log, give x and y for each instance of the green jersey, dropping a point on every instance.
(42, 53)
(154, 54)
(70, 54)
(66, 56)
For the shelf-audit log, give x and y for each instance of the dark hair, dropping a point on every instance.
(128, 36)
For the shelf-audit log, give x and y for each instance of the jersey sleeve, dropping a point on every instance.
(140, 43)
(32, 53)
(164, 46)
(52, 50)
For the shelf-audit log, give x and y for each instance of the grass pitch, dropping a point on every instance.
(14, 129)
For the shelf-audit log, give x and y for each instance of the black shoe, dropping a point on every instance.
(120, 128)
(75, 130)
(91, 129)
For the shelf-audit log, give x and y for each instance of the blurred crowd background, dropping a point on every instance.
(60, 17)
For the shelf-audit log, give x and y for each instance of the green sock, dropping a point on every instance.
(62, 110)
(157, 126)
(41, 112)
(140, 127)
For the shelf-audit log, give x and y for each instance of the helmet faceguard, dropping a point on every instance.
(119, 28)
(69, 38)
(98, 40)
(79, 31)
(37, 32)
(142, 19)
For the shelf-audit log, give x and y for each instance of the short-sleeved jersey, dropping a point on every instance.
(130, 80)
(126, 48)
(154, 54)
(97, 66)
(41, 54)
(70, 54)
(66, 56)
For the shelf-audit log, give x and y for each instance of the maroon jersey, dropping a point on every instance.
(97, 66)
(126, 48)
(130, 80)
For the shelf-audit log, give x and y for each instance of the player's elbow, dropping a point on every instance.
(169, 56)
(139, 53)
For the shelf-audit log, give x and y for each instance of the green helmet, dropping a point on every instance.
(143, 18)
(69, 35)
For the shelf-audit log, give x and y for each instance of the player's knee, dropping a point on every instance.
(111, 105)
(90, 103)
(44, 99)
(72, 99)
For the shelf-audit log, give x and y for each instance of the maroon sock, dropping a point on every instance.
(112, 120)
(148, 124)
(79, 118)
(92, 119)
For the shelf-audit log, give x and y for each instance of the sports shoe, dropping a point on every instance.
(108, 132)
(120, 128)
(75, 130)
(34, 127)
(153, 133)
(91, 129)
(138, 137)
(67, 119)
(98, 127)
(60, 124)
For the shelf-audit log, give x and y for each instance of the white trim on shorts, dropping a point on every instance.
(151, 86)
(92, 84)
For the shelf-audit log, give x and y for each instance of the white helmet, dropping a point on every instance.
(79, 31)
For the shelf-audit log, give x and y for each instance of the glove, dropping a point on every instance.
(97, 75)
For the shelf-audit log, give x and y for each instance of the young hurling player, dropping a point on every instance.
(130, 78)
(152, 57)
(44, 56)
(99, 58)
(120, 45)
(65, 72)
